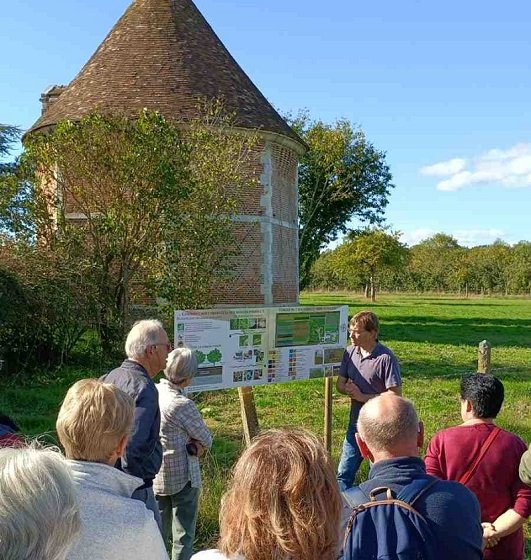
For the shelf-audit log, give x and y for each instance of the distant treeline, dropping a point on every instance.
(438, 264)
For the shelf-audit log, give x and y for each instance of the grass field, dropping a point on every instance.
(434, 338)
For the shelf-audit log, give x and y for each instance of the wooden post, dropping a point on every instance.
(248, 412)
(329, 385)
(484, 357)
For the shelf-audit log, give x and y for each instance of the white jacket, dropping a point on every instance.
(113, 525)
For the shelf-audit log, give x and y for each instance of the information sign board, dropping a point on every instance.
(254, 346)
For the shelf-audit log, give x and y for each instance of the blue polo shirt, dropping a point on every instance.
(373, 374)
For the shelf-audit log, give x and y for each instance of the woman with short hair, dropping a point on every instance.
(283, 502)
(94, 424)
(184, 437)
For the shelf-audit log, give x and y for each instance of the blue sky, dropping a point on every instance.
(443, 87)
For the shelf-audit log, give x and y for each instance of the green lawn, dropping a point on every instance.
(434, 338)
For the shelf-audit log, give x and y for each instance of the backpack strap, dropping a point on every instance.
(414, 490)
(354, 497)
(484, 448)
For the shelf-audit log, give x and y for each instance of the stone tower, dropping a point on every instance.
(163, 55)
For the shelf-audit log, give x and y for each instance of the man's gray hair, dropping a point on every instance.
(383, 432)
(181, 365)
(39, 517)
(144, 334)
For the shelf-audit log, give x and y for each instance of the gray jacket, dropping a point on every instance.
(143, 454)
(113, 525)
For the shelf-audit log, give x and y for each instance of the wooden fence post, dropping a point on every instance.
(248, 413)
(484, 357)
(329, 385)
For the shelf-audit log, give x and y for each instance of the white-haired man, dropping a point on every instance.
(389, 434)
(147, 347)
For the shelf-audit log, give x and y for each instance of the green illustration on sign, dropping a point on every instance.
(200, 356)
(214, 356)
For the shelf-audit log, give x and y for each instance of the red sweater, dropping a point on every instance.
(11, 440)
(495, 483)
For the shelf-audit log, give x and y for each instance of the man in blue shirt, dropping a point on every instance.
(367, 370)
(147, 347)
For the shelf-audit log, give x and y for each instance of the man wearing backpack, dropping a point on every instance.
(406, 514)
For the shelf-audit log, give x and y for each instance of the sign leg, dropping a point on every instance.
(248, 412)
(329, 386)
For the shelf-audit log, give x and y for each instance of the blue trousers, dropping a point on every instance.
(350, 459)
(179, 517)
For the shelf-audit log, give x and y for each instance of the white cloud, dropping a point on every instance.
(444, 168)
(509, 168)
(473, 237)
(465, 237)
(416, 236)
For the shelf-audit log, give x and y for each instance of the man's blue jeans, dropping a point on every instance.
(350, 459)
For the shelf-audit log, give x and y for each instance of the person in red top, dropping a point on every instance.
(452, 453)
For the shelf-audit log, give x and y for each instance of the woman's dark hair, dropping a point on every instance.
(484, 392)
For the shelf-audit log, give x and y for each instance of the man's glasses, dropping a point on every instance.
(169, 345)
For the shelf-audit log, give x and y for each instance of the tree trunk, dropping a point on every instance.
(373, 289)
(367, 290)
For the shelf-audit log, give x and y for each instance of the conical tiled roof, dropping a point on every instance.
(163, 55)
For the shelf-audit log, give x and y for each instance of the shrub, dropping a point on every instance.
(44, 308)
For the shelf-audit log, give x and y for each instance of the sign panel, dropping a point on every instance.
(255, 346)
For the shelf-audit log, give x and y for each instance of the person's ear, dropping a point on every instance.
(364, 450)
(468, 406)
(122, 444)
(420, 435)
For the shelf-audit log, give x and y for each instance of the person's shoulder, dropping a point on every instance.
(446, 432)
(514, 439)
(382, 350)
(451, 494)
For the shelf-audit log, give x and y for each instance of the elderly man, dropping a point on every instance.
(389, 434)
(147, 347)
(368, 369)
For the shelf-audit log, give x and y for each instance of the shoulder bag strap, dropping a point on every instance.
(484, 448)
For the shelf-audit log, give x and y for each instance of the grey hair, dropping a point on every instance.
(144, 334)
(39, 515)
(181, 365)
(383, 432)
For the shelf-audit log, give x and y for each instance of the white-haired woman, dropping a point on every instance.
(39, 517)
(184, 437)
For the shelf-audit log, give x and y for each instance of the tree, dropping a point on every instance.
(341, 176)
(434, 262)
(369, 252)
(8, 136)
(518, 270)
(142, 205)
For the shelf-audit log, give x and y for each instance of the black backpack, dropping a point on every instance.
(387, 527)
